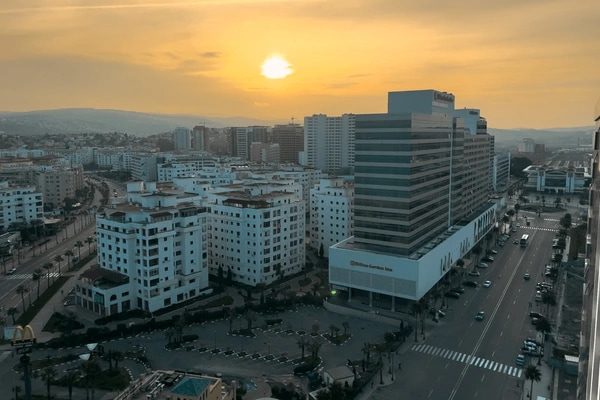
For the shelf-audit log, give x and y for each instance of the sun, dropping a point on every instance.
(276, 67)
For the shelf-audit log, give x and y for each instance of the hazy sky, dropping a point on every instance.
(524, 63)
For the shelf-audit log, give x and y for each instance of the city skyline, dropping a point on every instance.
(524, 65)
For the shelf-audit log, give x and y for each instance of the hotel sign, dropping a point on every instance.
(360, 264)
(443, 96)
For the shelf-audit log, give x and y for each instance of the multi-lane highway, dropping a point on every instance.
(468, 359)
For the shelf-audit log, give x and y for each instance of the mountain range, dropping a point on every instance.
(89, 120)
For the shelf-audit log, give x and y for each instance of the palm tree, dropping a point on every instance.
(169, 333)
(48, 374)
(346, 326)
(58, 259)
(117, 356)
(332, 328)
(69, 254)
(250, 316)
(380, 349)
(22, 289)
(11, 312)
(90, 369)
(38, 273)
(549, 299)
(89, 240)
(302, 342)
(417, 307)
(315, 346)
(48, 266)
(231, 316)
(532, 373)
(79, 245)
(367, 352)
(517, 208)
(315, 328)
(71, 375)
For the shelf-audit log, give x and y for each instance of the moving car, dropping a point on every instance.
(520, 360)
(453, 295)
(527, 276)
(480, 316)
(470, 283)
(11, 271)
(516, 241)
(487, 284)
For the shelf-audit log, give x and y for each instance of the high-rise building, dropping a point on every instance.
(291, 142)
(421, 190)
(201, 138)
(242, 138)
(182, 139)
(329, 143)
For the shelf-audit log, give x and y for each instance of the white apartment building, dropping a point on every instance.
(329, 143)
(331, 213)
(177, 168)
(256, 233)
(143, 166)
(264, 152)
(152, 252)
(19, 205)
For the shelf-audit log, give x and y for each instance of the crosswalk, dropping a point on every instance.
(536, 228)
(468, 359)
(30, 276)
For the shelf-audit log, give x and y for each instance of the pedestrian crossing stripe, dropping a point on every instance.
(540, 229)
(468, 359)
(30, 276)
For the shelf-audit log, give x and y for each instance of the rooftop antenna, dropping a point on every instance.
(292, 120)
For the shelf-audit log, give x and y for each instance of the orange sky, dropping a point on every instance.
(524, 63)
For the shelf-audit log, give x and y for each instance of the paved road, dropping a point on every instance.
(468, 359)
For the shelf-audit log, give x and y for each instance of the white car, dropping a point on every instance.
(487, 284)
(482, 265)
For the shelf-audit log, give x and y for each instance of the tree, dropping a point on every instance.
(302, 342)
(220, 276)
(315, 328)
(543, 325)
(17, 390)
(549, 299)
(48, 266)
(71, 375)
(89, 240)
(532, 373)
(321, 251)
(117, 356)
(417, 308)
(346, 326)
(380, 349)
(11, 312)
(79, 245)
(517, 208)
(22, 289)
(367, 352)
(231, 316)
(169, 333)
(38, 273)
(69, 254)
(332, 328)
(315, 346)
(58, 260)
(250, 316)
(336, 330)
(47, 375)
(90, 368)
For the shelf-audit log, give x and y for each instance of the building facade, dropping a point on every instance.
(182, 138)
(329, 143)
(56, 184)
(256, 233)
(152, 253)
(421, 192)
(19, 205)
(290, 138)
(331, 213)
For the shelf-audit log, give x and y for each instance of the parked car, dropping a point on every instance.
(520, 361)
(480, 316)
(458, 290)
(532, 341)
(470, 283)
(437, 313)
(488, 258)
(474, 273)
(492, 251)
(535, 314)
(453, 295)
(482, 265)
(487, 284)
